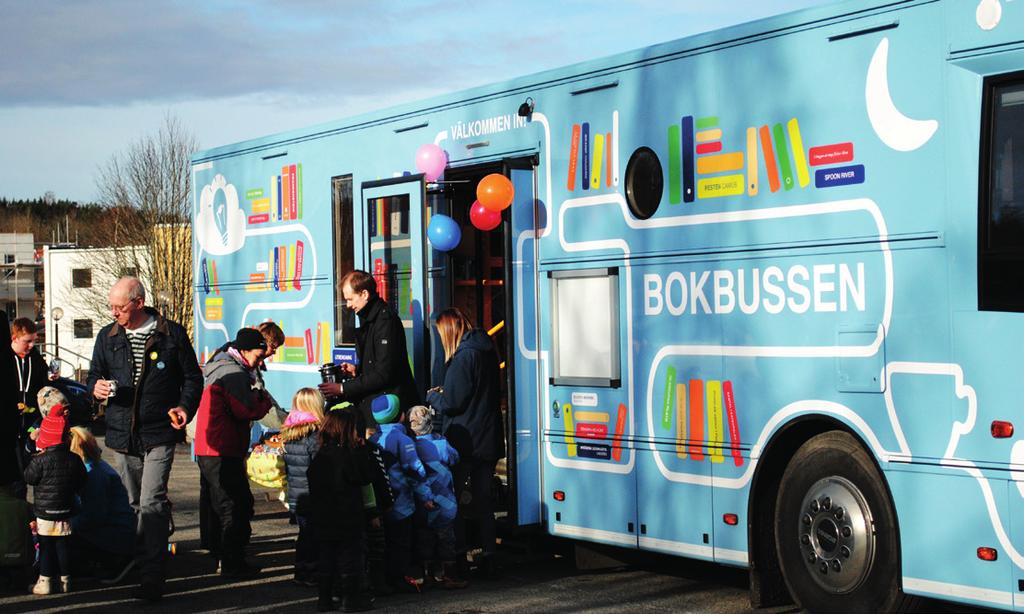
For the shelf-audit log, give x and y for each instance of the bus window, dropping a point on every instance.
(344, 255)
(1001, 224)
(585, 327)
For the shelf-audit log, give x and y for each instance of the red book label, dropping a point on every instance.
(259, 219)
(734, 424)
(831, 154)
(309, 346)
(706, 148)
(591, 431)
(620, 428)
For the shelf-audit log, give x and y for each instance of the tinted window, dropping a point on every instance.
(1001, 224)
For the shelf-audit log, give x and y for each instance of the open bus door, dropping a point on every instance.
(395, 251)
(522, 367)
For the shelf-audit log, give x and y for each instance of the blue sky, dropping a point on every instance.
(80, 80)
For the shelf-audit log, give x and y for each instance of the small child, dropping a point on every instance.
(342, 465)
(299, 434)
(405, 474)
(435, 529)
(56, 474)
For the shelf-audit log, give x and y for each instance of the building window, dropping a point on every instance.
(1001, 202)
(12, 310)
(8, 258)
(83, 329)
(81, 278)
(129, 271)
(585, 327)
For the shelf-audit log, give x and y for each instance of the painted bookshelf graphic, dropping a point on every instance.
(281, 201)
(593, 156)
(281, 271)
(701, 167)
(587, 430)
(312, 347)
(699, 413)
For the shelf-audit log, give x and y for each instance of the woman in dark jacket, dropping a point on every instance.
(340, 468)
(301, 442)
(470, 405)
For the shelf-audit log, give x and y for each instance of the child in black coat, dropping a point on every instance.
(341, 467)
(56, 474)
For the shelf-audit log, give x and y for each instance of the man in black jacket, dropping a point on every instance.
(158, 387)
(10, 416)
(380, 345)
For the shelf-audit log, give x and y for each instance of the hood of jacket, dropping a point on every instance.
(298, 425)
(476, 339)
(221, 365)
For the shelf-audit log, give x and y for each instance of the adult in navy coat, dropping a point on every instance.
(469, 402)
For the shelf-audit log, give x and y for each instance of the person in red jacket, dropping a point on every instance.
(233, 396)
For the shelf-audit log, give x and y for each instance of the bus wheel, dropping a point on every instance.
(838, 543)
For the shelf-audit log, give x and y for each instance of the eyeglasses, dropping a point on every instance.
(122, 308)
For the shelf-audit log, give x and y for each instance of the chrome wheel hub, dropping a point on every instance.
(837, 535)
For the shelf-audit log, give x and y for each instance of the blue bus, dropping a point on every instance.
(758, 292)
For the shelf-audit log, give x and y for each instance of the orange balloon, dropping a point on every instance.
(495, 192)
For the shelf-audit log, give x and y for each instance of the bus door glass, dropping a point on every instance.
(521, 334)
(394, 240)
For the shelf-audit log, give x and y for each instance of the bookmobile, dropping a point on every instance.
(758, 292)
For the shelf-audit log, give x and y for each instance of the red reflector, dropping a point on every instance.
(1002, 429)
(987, 554)
(559, 495)
(731, 519)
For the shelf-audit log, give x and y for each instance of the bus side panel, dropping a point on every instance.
(942, 523)
(1016, 486)
(674, 516)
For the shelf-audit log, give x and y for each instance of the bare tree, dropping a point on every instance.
(147, 188)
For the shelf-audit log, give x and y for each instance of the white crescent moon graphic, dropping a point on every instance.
(894, 128)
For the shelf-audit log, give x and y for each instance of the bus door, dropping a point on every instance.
(521, 229)
(491, 276)
(394, 250)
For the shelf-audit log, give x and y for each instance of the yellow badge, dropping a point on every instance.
(153, 355)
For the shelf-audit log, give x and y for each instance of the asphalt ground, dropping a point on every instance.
(538, 574)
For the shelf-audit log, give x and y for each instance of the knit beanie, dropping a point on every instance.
(49, 397)
(385, 408)
(421, 419)
(53, 429)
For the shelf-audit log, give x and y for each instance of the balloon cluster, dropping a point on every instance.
(494, 194)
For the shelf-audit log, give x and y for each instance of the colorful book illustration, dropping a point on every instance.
(803, 177)
(689, 191)
(752, 171)
(595, 169)
(585, 155)
(667, 404)
(574, 152)
(674, 164)
(715, 434)
(620, 431)
(681, 420)
(568, 422)
(697, 419)
(769, 159)
(613, 147)
(783, 155)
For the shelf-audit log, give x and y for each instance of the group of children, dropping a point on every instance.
(375, 507)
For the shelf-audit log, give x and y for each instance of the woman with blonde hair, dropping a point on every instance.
(299, 435)
(469, 403)
(103, 532)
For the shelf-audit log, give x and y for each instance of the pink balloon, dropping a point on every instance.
(431, 160)
(484, 218)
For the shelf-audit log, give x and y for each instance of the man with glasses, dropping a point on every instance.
(144, 367)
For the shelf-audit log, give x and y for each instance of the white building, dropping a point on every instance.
(77, 281)
(18, 267)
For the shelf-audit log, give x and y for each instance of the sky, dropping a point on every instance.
(80, 80)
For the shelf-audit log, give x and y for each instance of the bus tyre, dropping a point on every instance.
(838, 542)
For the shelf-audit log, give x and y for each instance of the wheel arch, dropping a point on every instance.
(767, 585)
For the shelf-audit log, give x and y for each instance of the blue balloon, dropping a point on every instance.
(443, 232)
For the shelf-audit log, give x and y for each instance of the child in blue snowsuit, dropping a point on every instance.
(435, 529)
(406, 475)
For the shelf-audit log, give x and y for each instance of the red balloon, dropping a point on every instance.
(495, 192)
(484, 218)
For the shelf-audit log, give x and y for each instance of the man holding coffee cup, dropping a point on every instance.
(144, 368)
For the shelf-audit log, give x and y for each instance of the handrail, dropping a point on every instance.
(496, 328)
